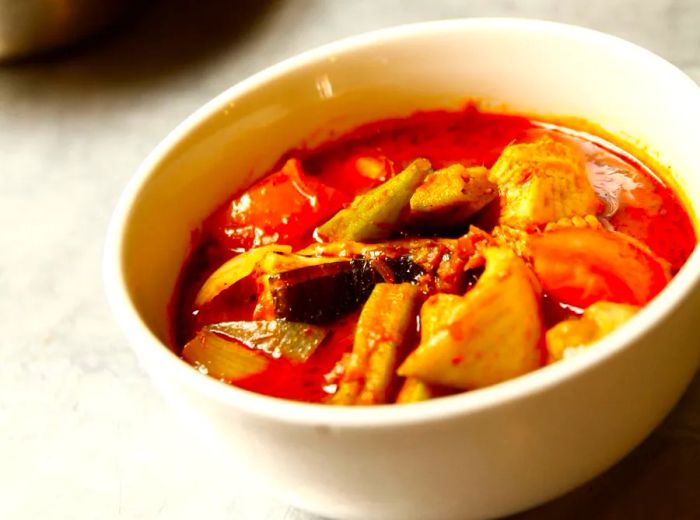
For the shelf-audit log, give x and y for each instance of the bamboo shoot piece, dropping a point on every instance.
(221, 358)
(414, 390)
(375, 215)
(291, 340)
(385, 322)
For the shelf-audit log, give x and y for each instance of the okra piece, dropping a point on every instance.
(278, 338)
(375, 215)
(386, 321)
(450, 196)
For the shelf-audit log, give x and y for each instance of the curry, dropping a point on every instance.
(419, 257)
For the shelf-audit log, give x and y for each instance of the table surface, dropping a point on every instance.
(82, 432)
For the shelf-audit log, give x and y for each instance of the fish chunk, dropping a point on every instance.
(542, 182)
(598, 320)
(489, 335)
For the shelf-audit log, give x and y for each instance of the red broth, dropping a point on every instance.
(646, 209)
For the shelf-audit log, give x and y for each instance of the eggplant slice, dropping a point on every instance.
(322, 293)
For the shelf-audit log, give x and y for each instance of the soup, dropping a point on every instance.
(418, 257)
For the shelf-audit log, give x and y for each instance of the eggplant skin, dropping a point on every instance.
(405, 269)
(322, 293)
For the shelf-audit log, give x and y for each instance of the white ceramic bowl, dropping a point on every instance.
(479, 454)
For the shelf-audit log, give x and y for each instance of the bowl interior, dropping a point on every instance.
(529, 67)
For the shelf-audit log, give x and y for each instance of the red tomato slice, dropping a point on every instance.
(281, 208)
(583, 266)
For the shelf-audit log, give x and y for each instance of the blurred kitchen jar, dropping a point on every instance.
(33, 26)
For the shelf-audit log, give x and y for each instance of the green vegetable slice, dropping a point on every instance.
(375, 215)
(222, 358)
(451, 196)
(279, 338)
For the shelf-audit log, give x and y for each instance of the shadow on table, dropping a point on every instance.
(155, 41)
(659, 479)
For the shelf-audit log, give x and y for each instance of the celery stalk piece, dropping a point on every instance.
(233, 271)
(385, 321)
(375, 215)
(223, 359)
(291, 340)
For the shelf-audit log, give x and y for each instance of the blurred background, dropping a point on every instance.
(82, 433)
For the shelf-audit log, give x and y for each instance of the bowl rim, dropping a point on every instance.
(149, 348)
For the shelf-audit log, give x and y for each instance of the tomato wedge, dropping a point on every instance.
(582, 266)
(282, 208)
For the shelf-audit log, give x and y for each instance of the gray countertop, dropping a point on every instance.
(82, 432)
